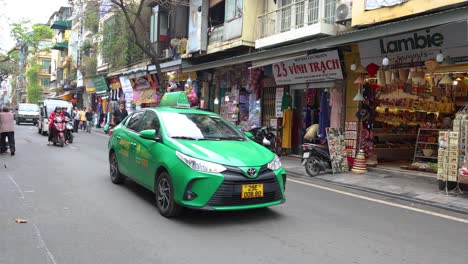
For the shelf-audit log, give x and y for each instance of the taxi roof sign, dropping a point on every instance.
(175, 99)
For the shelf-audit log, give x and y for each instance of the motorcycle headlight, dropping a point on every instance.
(200, 165)
(275, 164)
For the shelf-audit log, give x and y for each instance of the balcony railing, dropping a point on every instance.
(296, 15)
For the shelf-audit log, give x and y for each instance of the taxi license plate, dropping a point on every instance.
(252, 191)
(306, 155)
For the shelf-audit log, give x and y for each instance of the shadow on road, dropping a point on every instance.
(200, 218)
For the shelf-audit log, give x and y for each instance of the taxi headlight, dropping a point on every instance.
(200, 165)
(275, 164)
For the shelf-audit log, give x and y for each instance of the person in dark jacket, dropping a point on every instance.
(89, 118)
(7, 130)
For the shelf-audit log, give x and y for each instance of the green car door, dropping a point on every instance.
(122, 148)
(143, 154)
(128, 137)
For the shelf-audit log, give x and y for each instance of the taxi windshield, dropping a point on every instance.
(199, 127)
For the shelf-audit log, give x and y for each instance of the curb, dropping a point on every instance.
(387, 194)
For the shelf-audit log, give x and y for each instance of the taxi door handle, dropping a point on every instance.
(118, 137)
(133, 144)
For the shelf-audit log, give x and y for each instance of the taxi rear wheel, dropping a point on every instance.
(116, 176)
(165, 196)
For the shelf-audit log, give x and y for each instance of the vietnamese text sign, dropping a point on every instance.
(126, 84)
(100, 84)
(90, 85)
(413, 49)
(319, 67)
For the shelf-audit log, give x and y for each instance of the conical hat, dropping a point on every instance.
(446, 80)
(359, 80)
(431, 65)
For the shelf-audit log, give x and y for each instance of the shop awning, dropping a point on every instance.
(60, 46)
(265, 62)
(61, 24)
(383, 30)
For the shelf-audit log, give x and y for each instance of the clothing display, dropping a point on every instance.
(336, 104)
(286, 101)
(287, 128)
(324, 117)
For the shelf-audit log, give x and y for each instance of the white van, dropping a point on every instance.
(47, 107)
(27, 113)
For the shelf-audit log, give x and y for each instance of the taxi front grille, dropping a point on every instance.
(229, 193)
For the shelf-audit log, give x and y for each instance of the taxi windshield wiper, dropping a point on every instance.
(184, 137)
(223, 138)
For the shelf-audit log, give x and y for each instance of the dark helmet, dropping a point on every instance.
(58, 108)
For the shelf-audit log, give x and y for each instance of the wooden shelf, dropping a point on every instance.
(426, 157)
(425, 143)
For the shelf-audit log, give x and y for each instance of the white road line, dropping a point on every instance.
(461, 220)
(42, 244)
(17, 186)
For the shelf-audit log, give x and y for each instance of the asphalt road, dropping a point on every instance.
(76, 215)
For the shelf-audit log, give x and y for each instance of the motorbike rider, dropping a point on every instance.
(64, 111)
(57, 112)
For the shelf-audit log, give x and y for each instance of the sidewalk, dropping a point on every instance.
(413, 187)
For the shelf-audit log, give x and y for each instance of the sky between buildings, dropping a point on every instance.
(38, 11)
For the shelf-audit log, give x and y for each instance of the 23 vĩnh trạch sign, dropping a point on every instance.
(319, 67)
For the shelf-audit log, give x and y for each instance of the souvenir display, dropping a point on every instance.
(447, 165)
(351, 138)
(360, 163)
(337, 148)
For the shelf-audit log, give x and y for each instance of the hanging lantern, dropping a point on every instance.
(372, 69)
(385, 61)
(440, 57)
(353, 67)
(381, 78)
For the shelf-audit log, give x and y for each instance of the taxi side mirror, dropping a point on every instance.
(150, 134)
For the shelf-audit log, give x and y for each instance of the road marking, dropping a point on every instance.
(461, 220)
(42, 243)
(17, 186)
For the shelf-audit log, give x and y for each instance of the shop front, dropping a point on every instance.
(410, 88)
(312, 95)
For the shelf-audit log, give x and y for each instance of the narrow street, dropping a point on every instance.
(76, 215)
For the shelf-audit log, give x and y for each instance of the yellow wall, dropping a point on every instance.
(412, 7)
(252, 9)
(351, 106)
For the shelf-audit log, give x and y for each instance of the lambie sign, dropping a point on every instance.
(319, 67)
(413, 49)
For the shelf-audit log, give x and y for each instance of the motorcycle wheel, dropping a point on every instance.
(70, 138)
(312, 167)
(61, 142)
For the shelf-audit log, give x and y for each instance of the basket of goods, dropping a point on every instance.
(463, 175)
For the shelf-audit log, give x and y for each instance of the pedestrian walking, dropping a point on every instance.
(96, 120)
(7, 131)
(83, 120)
(89, 120)
(76, 119)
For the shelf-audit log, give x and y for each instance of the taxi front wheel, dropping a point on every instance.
(165, 196)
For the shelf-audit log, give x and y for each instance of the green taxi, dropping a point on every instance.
(194, 158)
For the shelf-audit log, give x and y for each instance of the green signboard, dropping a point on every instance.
(175, 99)
(100, 84)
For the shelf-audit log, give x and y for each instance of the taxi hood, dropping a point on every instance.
(226, 152)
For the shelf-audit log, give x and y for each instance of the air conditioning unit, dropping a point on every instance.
(167, 53)
(343, 12)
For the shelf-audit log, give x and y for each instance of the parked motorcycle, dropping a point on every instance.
(69, 130)
(315, 158)
(58, 131)
(264, 136)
